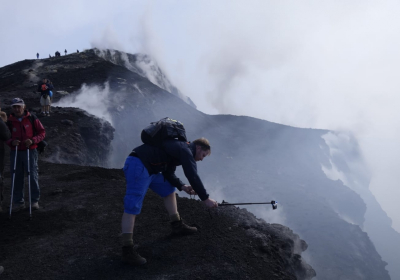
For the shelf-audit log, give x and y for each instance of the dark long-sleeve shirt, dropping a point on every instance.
(5, 134)
(165, 159)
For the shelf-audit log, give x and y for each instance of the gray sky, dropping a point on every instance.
(319, 64)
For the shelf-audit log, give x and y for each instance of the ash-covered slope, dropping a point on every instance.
(252, 160)
(143, 65)
(75, 234)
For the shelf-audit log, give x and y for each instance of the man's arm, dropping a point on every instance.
(170, 176)
(180, 151)
(40, 132)
(190, 169)
(5, 133)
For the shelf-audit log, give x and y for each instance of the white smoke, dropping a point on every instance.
(93, 99)
(318, 64)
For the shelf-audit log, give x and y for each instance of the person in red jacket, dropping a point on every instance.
(24, 137)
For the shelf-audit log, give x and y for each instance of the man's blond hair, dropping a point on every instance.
(203, 143)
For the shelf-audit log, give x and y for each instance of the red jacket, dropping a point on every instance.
(22, 130)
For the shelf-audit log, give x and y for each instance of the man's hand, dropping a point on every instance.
(15, 142)
(210, 203)
(28, 142)
(188, 189)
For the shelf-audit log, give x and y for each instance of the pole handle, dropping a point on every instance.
(273, 202)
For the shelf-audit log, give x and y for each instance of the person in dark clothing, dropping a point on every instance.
(44, 88)
(152, 167)
(4, 136)
(65, 51)
(37, 55)
(23, 137)
(77, 51)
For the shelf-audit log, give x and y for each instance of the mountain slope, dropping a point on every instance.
(252, 160)
(76, 232)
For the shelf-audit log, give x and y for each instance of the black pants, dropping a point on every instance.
(1, 174)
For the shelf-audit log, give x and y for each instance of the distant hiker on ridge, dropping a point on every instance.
(77, 51)
(26, 132)
(37, 55)
(153, 167)
(65, 51)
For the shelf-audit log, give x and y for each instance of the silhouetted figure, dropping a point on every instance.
(77, 51)
(57, 54)
(49, 56)
(65, 52)
(37, 55)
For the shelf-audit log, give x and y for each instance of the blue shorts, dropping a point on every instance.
(138, 181)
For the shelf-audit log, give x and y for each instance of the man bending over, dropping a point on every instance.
(154, 167)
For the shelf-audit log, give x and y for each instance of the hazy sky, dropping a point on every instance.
(319, 64)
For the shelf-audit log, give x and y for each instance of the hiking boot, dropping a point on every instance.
(130, 256)
(18, 207)
(48, 114)
(35, 205)
(180, 228)
(44, 113)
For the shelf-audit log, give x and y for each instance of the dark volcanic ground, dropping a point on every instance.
(76, 233)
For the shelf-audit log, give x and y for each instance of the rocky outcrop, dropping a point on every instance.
(265, 237)
(76, 137)
(143, 65)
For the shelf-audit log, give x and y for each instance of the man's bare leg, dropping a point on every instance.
(178, 226)
(129, 254)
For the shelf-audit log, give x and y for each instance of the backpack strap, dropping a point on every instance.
(32, 118)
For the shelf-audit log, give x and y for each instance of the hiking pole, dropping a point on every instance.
(29, 186)
(13, 180)
(273, 203)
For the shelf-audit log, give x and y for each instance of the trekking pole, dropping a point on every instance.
(273, 203)
(29, 186)
(13, 180)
